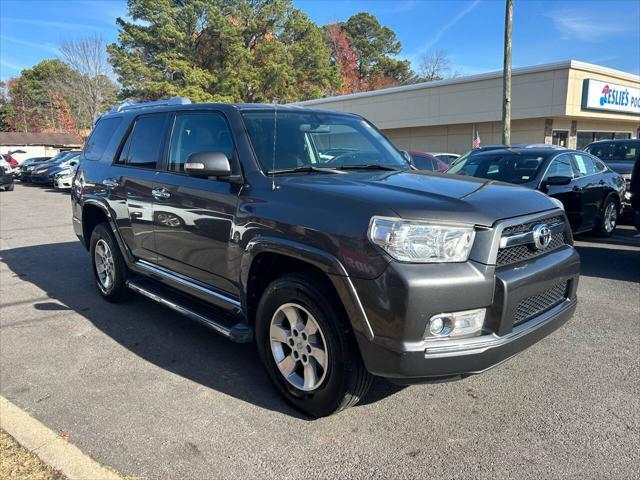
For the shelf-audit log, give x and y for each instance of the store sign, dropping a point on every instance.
(599, 95)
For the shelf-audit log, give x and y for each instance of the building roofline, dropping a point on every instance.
(565, 64)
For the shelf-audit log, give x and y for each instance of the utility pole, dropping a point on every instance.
(506, 75)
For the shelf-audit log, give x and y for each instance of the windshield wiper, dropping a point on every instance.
(305, 169)
(369, 166)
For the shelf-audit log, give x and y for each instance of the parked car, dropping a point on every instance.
(317, 239)
(6, 178)
(589, 190)
(10, 159)
(634, 193)
(447, 158)
(426, 161)
(63, 180)
(43, 174)
(29, 165)
(620, 156)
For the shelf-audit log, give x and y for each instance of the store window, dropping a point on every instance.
(585, 138)
(559, 137)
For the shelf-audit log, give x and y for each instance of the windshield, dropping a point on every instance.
(615, 151)
(505, 167)
(321, 140)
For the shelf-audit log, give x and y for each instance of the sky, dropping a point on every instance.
(604, 32)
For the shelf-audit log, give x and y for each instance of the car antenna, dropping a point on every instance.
(275, 130)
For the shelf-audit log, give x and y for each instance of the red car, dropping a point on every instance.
(426, 161)
(10, 160)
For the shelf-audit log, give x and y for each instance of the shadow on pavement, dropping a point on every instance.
(611, 263)
(153, 332)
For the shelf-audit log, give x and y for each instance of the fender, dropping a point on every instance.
(322, 260)
(104, 206)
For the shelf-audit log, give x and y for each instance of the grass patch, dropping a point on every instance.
(18, 463)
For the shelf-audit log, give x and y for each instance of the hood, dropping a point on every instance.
(426, 195)
(623, 168)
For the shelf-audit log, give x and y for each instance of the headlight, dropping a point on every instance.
(422, 242)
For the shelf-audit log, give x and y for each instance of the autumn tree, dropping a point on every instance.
(62, 117)
(344, 57)
(222, 50)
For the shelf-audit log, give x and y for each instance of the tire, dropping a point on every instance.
(114, 289)
(609, 218)
(344, 380)
(9, 187)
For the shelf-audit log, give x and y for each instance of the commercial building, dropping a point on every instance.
(567, 103)
(37, 144)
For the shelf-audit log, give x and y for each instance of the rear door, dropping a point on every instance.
(131, 182)
(194, 217)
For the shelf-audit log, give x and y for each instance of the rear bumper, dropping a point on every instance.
(399, 317)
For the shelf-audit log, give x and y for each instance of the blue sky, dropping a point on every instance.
(470, 31)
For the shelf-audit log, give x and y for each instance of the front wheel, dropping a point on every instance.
(109, 269)
(609, 220)
(307, 347)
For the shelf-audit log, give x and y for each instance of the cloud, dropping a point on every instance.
(10, 66)
(459, 16)
(586, 28)
(40, 46)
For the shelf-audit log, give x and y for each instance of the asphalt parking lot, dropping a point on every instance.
(154, 395)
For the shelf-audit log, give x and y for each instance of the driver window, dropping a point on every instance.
(198, 132)
(560, 167)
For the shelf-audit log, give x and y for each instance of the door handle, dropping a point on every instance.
(160, 193)
(110, 183)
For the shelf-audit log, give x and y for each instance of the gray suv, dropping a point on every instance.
(309, 233)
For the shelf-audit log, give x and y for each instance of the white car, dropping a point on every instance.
(8, 168)
(63, 180)
(447, 158)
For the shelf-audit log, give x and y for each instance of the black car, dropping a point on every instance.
(310, 233)
(6, 179)
(634, 193)
(30, 164)
(620, 156)
(589, 190)
(43, 173)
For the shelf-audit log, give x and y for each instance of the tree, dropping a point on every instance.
(90, 86)
(435, 65)
(24, 116)
(221, 50)
(6, 109)
(344, 57)
(62, 118)
(375, 47)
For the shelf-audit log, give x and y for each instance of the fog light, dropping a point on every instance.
(456, 324)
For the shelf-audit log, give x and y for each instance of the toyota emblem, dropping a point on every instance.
(541, 236)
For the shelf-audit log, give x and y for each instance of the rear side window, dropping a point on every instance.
(145, 142)
(100, 138)
(584, 165)
(198, 132)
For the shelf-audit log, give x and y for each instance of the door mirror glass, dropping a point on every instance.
(207, 164)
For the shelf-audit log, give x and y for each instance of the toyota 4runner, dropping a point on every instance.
(309, 232)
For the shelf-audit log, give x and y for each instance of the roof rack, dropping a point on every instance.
(157, 103)
(545, 145)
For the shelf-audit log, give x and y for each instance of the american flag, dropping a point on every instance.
(476, 139)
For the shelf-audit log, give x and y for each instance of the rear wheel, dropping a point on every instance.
(609, 220)
(307, 347)
(109, 269)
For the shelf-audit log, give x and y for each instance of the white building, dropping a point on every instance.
(37, 144)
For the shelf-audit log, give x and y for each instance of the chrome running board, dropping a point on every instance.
(238, 332)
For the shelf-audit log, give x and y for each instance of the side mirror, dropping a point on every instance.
(207, 164)
(557, 181)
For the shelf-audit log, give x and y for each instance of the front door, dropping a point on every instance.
(570, 195)
(193, 217)
(131, 183)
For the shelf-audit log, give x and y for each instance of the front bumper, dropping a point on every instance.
(41, 179)
(399, 303)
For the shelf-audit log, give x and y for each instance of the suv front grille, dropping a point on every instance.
(537, 304)
(519, 253)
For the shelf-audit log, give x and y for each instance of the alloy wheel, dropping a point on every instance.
(298, 347)
(610, 217)
(104, 264)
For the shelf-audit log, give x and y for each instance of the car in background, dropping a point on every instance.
(634, 193)
(620, 156)
(43, 174)
(427, 161)
(447, 158)
(64, 178)
(589, 190)
(6, 178)
(24, 174)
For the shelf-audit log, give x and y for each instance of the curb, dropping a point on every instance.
(50, 447)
